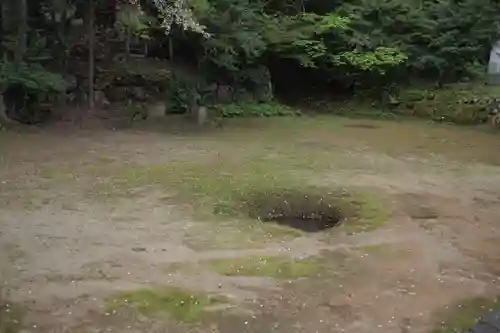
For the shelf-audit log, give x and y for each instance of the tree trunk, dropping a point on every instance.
(127, 44)
(8, 17)
(62, 47)
(60, 9)
(91, 53)
(170, 48)
(22, 30)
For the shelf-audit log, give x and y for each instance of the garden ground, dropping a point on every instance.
(146, 229)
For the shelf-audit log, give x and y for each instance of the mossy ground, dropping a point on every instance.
(10, 317)
(465, 314)
(182, 305)
(226, 191)
(279, 267)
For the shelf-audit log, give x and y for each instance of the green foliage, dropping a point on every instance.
(464, 104)
(253, 109)
(443, 40)
(378, 60)
(236, 39)
(32, 76)
(359, 45)
(131, 19)
(302, 37)
(29, 73)
(183, 92)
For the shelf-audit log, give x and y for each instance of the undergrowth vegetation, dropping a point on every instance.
(255, 109)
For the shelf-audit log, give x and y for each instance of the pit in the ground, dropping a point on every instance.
(306, 212)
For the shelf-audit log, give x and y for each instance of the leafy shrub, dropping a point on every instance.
(254, 109)
(443, 40)
(24, 86)
(183, 92)
(31, 76)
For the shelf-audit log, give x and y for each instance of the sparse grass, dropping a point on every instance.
(277, 267)
(366, 212)
(10, 316)
(225, 190)
(238, 234)
(182, 305)
(465, 314)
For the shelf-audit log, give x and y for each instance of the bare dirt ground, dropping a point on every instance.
(71, 237)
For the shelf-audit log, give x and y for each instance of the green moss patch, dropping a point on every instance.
(10, 317)
(465, 314)
(183, 305)
(366, 212)
(277, 267)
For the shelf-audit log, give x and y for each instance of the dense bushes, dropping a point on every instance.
(443, 40)
(244, 50)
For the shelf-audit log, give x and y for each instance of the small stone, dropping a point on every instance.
(139, 249)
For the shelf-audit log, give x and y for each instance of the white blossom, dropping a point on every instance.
(178, 12)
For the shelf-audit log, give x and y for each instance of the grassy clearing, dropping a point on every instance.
(182, 305)
(465, 314)
(275, 267)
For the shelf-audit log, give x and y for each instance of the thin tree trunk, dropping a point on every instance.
(62, 46)
(127, 44)
(8, 19)
(170, 48)
(22, 30)
(61, 32)
(91, 53)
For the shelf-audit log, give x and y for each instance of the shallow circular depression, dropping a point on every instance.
(306, 212)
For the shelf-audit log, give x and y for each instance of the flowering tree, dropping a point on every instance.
(178, 12)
